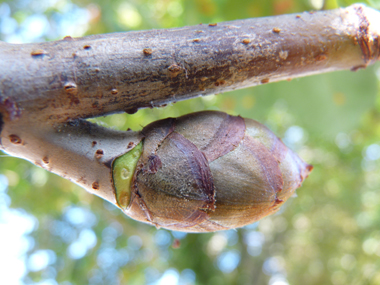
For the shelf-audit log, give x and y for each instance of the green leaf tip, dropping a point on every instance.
(123, 169)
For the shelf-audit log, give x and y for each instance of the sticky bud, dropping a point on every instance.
(205, 172)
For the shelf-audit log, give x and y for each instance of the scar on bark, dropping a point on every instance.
(371, 51)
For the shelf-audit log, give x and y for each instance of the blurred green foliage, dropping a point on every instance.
(329, 234)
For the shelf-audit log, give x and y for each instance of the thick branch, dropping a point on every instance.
(97, 75)
(80, 151)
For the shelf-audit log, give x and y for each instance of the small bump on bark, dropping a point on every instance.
(38, 52)
(95, 185)
(99, 153)
(70, 88)
(15, 139)
(147, 51)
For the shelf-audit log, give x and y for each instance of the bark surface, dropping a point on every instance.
(102, 74)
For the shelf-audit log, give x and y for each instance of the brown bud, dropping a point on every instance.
(210, 171)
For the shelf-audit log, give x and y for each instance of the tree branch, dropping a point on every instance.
(80, 151)
(46, 89)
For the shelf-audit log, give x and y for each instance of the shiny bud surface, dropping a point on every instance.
(209, 171)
